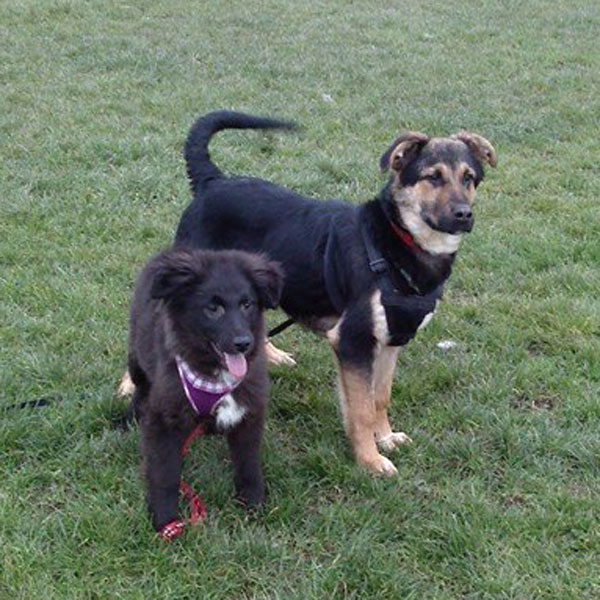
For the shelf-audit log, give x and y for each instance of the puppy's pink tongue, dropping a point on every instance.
(236, 364)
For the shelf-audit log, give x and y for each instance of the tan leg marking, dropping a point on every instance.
(358, 409)
(275, 356)
(126, 387)
(380, 327)
(383, 376)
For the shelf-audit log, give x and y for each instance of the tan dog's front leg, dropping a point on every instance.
(383, 376)
(358, 408)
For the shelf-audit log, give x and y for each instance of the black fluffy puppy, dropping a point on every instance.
(196, 354)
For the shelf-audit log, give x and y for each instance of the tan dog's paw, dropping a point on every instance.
(126, 387)
(275, 356)
(393, 440)
(380, 466)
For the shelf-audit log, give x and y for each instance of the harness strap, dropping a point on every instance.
(404, 312)
(377, 263)
(336, 295)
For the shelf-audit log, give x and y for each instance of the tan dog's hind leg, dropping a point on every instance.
(126, 387)
(383, 376)
(358, 409)
(275, 356)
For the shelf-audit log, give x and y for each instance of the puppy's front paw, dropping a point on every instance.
(380, 465)
(252, 497)
(393, 440)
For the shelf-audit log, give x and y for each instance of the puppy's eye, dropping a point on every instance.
(468, 179)
(214, 311)
(246, 304)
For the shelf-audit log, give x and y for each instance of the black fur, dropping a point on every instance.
(173, 313)
(200, 169)
(303, 235)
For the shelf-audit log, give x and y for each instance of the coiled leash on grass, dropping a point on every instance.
(176, 527)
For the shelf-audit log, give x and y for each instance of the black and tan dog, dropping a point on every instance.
(368, 276)
(196, 355)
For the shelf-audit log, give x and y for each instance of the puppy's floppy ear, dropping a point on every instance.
(482, 150)
(268, 280)
(173, 274)
(402, 151)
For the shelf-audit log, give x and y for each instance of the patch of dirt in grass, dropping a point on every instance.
(543, 402)
(515, 500)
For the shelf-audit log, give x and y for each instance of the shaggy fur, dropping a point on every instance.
(201, 306)
(332, 286)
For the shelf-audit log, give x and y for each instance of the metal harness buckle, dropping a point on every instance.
(379, 265)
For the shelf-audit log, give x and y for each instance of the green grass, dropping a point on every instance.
(498, 495)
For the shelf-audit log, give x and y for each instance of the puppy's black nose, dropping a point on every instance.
(242, 342)
(462, 212)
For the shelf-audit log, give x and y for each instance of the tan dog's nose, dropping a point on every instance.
(463, 217)
(462, 212)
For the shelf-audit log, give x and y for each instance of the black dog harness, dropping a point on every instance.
(404, 313)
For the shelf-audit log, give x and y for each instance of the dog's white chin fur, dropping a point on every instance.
(431, 240)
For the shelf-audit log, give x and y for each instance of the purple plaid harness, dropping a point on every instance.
(204, 394)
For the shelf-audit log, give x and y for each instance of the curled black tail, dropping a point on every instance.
(200, 168)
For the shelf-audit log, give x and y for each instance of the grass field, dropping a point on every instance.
(498, 496)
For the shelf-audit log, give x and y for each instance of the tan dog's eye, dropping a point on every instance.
(468, 179)
(434, 178)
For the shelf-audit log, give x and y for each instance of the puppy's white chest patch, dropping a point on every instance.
(228, 413)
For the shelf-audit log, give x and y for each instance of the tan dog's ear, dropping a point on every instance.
(402, 151)
(479, 146)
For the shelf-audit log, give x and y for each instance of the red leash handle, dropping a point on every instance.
(175, 528)
(172, 530)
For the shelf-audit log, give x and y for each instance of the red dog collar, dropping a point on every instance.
(406, 237)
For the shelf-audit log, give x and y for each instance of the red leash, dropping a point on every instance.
(175, 528)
